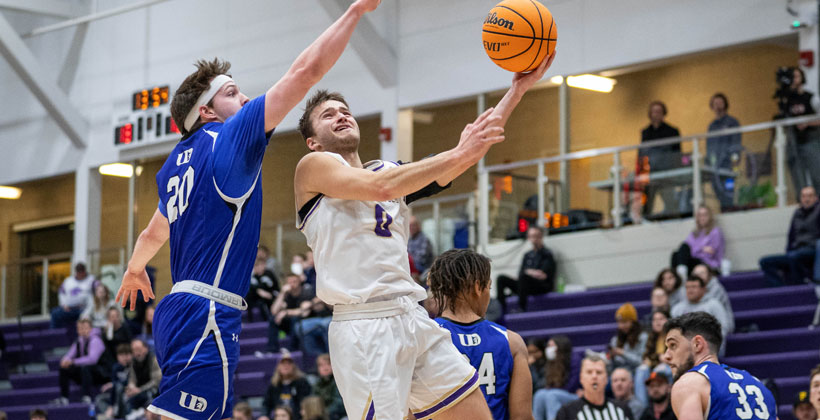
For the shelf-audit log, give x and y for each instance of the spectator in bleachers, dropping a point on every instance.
(281, 413)
(72, 297)
(111, 399)
(264, 287)
(804, 142)
(537, 361)
(657, 385)
(287, 310)
(113, 334)
(82, 363)
(536, 276)
(670, 281)
(814, 388)
(38, 414)
(242, 411)
(325, 387)
(719, 149)
(696, 300)
(270, 263)
(313, 408)
(96, 309)
(716, 291)
(627, 345)
(704, 245)
(560, 384)
(659, 300)
(143, 378)
(660, 157)
(794, 266)
(593, 401)
(288, 387)
(623, 389)
(313, 327)
(310, 270)
(419, 246)
(147, 333)
(802, 408)
(3, 415)
(655, 348)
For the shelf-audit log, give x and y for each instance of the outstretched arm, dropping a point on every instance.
(312, 64)
(136, 278)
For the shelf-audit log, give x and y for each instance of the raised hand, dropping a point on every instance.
(367, 5)
(478, 136)
(526, 80)
(131, 284)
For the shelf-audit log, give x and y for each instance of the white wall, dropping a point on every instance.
(637, 253)
(438, 45)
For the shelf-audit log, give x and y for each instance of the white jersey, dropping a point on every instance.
(360, 247)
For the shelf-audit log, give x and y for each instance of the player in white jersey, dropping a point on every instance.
(390, 356)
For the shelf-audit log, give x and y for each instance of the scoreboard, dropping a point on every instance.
(149, 120)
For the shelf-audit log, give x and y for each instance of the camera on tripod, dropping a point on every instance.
(784, 77)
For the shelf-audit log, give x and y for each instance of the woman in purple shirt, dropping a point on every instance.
(704, 245)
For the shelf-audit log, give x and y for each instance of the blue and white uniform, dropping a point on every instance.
(210, 191)
(736, 394)
(487, 346)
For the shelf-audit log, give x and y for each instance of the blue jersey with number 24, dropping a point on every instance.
(210, 191)
(736, 394)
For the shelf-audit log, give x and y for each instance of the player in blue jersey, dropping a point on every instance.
(704, 389)
(210, 205)
(460, 282)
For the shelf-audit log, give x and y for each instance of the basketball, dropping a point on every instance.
(519, 34)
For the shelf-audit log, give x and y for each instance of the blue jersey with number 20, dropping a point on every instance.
(487, 346)
(736, 394)
(211, 194)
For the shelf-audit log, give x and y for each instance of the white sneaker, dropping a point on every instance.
(59, 401)
(136, 414)
(86, 399)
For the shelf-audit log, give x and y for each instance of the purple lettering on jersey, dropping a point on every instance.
(383, 221)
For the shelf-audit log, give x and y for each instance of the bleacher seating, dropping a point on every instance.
(779, 345)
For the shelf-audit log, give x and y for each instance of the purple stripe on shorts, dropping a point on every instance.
(370, 411)
(449, 400)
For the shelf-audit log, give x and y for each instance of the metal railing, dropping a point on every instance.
(616, 180)
(465, 207)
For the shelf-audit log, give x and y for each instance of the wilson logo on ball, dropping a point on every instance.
(492, 19)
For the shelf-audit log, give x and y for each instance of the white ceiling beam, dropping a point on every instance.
(44, 89)
(55, 8)
(378, 55)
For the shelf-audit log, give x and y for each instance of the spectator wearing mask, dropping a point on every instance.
(658, 388)
(262, 290)
(242, 411)
(288, 387)
(793, 266)
(652, 356)
(143, 378)
(73, 296)
(82, 363)
(716, 291)
(288, 311)
(719, 149)
(111, 399)
(419, 246)
(96, 309)
(704, 245)
(593, 404)
(659, 158)
(802, 408)
(623, 389)
(325, 388)
(627, 345)
(670, 281)
(560, 382)
(696, 301)
(536, 276)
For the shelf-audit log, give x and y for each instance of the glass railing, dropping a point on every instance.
(448, 221)
(749, 167)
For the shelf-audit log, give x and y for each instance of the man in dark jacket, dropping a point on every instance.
(795, 265)
(659, 158)
(536, 276)
(657, 386)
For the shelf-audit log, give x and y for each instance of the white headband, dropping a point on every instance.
(206, 97)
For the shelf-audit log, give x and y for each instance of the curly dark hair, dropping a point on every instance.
(697, 323)
(318, 98)
(659, 278)
(192, 87)
(454, 273)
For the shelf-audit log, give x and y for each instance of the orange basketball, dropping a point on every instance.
(519, 34)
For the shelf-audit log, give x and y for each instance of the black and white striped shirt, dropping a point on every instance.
(581, 409)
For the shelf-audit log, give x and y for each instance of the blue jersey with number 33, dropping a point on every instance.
(210, 191)
(487, 346)
(736, 394)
